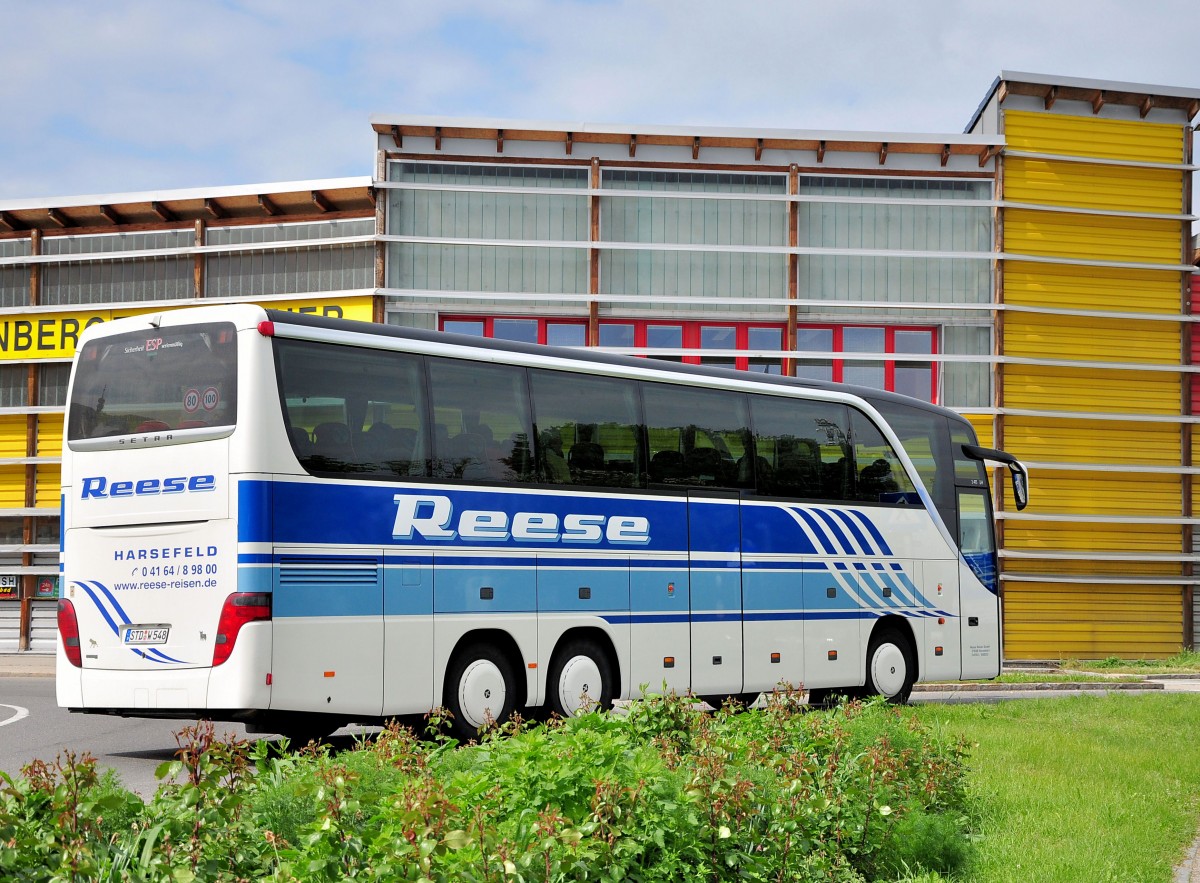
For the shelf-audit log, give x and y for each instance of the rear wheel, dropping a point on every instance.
(581, 678)
(480, 690)
(891, 666)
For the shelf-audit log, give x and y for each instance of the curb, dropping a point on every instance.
(1037, 687)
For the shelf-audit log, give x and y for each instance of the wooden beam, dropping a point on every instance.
(986, 154)
(321, 201)
(1193, 109)
(883, 148)
(632, 144)
(59, 218)
(437, 138)
(1147, 106)
(110, 215)
(820, 151)
(945, 154)
(758, 149)
(499, 141)
(10, 222)
(371, 196)
(1051, 97)
(696, 147)
(1098, 101)
(570, 142)
(164, 213)
(265, 203)
(397, 136)
(215, 208)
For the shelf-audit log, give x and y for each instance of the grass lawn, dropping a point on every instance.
(1184, 662)
(1084, 789)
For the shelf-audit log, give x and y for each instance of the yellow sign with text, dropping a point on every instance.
(56, 335)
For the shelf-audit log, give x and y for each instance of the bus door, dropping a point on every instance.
(715, 556)
(408, 682)
(327, 640)
(943, 628)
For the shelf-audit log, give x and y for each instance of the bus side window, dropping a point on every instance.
(803, 449)
(698, 437)
(880, 476)
(482, 422)
(588, 430)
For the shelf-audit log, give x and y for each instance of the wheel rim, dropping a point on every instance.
(580, 684)
(481, 693)
(889, 669)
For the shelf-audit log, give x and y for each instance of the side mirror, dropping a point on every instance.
(1020, 476)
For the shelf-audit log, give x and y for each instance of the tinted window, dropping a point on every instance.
(481, 425)
(803, 448)
(879, 476)
(155, 380)
(353, 410)
(588, 429)
(697, 437)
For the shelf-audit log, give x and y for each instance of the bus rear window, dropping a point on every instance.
(154, 381)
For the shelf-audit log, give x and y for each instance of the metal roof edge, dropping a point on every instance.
(188, 193)
(1090, 83)
(384, 120)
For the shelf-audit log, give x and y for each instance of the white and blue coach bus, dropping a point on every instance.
(299, 522)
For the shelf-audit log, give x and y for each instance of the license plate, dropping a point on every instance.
(147, 634)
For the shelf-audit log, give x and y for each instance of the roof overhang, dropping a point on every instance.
(1051, 89)
(286, 201)
(695, 138)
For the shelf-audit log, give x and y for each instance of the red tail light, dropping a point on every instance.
(68, 629)
(239, 609)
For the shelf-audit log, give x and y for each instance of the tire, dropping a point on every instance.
(581, 676)
(891, 666)
(480, 690)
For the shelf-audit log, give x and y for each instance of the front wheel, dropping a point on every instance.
(480, 690)
(891, 666)
(581, 678)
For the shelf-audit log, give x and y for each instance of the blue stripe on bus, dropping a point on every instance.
(884, 548)
(817, 530)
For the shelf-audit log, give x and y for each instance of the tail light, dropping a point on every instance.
(68, 629)
(239, 609)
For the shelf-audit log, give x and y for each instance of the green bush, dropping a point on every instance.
(663, 792)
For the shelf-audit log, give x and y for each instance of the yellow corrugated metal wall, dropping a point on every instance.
(1068, 593)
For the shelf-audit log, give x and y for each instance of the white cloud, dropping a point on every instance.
(146, 94)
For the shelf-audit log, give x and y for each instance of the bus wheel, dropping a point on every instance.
(891, 668)
(481, 690)
(581, 677)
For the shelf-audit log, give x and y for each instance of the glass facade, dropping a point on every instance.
(697, 262)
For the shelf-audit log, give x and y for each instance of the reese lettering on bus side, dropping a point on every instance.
(431, 517)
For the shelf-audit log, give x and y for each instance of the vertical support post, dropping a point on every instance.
(378, 308)
(793, 268)
(27, 582)
(198, 263)
(1187, 406)
(593, 329)
(998, 366)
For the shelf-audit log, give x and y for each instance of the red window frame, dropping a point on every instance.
(691, 336)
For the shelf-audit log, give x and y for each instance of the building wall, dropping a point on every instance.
(1093, 389)
(52, 285)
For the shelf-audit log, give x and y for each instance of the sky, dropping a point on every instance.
(119, 96)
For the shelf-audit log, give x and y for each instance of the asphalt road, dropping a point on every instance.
(32, 726)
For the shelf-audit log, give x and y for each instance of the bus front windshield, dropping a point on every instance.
(155, 380)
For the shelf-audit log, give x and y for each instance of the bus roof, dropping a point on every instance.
(870, 394)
